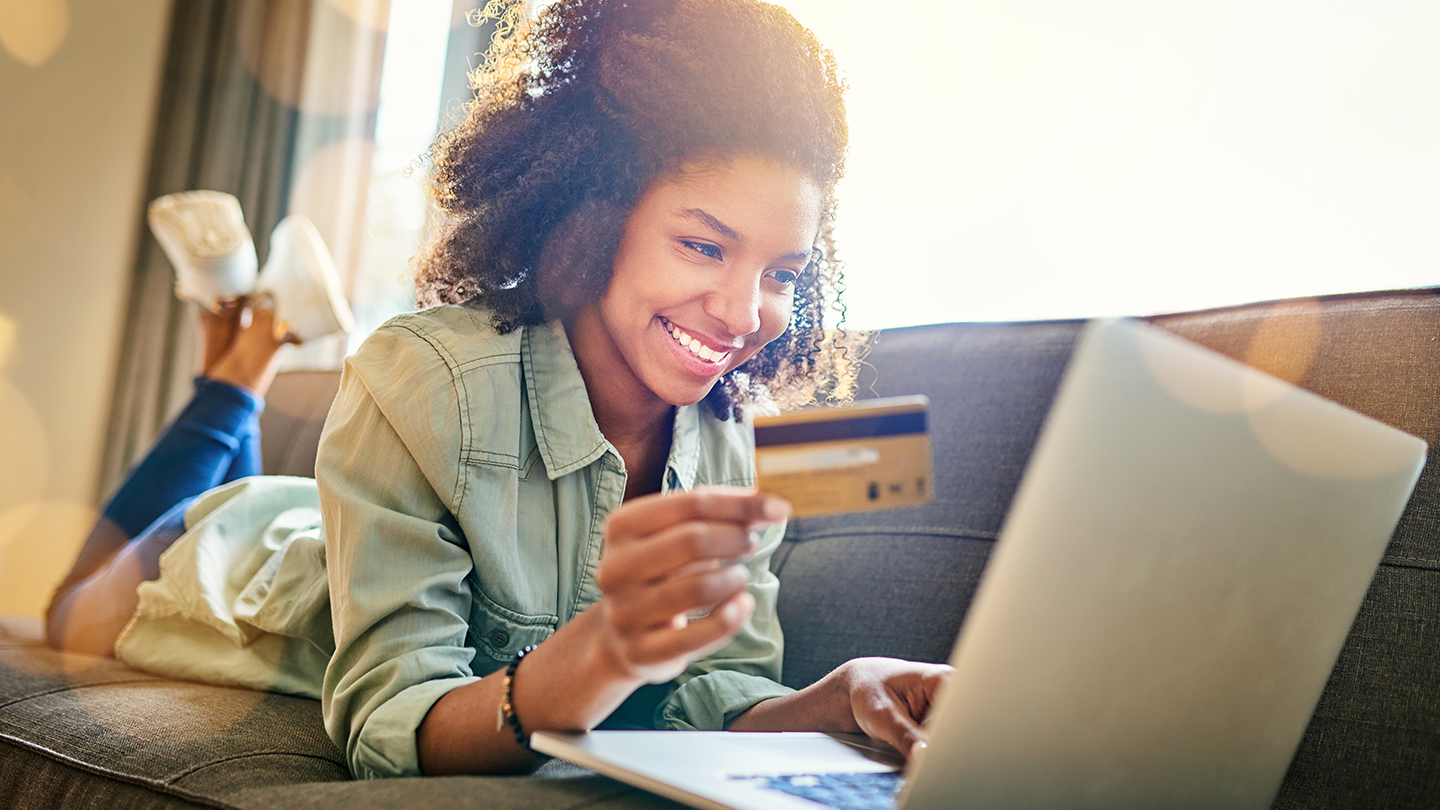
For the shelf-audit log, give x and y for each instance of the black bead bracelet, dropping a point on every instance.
(506, 712)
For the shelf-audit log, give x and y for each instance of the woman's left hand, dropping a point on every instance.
(885, 698)
(890, 698)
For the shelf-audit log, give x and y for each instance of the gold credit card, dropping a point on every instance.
(872, 455)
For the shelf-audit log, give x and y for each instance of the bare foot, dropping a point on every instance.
(253, 356)
(217, 328)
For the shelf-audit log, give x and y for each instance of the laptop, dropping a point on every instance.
(1181, 564)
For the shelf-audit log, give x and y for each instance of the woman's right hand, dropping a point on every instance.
(668, 557)
(665, 557)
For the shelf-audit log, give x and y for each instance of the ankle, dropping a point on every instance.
(248, 372)
(218, 328)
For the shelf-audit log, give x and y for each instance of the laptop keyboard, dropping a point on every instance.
(844, 791)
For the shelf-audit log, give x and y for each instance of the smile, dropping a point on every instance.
(694, 346)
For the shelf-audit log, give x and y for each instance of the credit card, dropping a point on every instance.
(871, 455)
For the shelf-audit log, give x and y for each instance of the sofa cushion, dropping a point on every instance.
(82, 731)
(81, 714)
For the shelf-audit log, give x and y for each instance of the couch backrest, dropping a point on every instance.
(294, 415)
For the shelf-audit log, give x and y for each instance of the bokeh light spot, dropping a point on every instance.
(38, 542)
(1287, 341)
(23, 447)
(1309, 439)
(8, 332)
(32, 30)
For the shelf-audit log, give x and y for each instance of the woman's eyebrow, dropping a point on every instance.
(709, 220)
(719, 227)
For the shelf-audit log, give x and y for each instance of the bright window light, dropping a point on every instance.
(406, 124)
(1034, 159)
(1045, 158)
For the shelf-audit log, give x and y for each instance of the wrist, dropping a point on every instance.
(838, 710)
(506, 715)
(570, 682)
(821, 706)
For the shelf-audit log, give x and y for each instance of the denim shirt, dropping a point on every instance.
(464, 485)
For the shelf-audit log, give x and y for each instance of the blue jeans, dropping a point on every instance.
(214, 440)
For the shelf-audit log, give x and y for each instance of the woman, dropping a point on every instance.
(528, 496)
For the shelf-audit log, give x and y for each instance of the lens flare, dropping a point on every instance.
(33, 30)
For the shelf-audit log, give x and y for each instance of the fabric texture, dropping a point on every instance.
(214, 439)
(442, 437)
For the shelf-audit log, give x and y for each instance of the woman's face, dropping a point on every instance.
(703, 278)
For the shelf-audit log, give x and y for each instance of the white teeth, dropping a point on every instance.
(696, 348)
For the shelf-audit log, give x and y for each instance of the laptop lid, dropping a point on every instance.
(1178, 571)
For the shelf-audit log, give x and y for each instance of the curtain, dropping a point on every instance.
(270, 100)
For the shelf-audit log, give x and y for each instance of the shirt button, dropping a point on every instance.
(499, 638)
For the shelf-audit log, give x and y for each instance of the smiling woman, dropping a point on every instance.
(538, 496)
(596, 130)
(704, 277)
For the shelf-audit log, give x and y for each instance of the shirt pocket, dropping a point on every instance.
(497, 633)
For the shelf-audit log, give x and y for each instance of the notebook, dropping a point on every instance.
(1172, 585)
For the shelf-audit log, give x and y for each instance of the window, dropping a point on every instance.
(396, 211)
(1043, 158)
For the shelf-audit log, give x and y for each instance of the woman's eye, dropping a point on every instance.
(786, 277)
(704, 249)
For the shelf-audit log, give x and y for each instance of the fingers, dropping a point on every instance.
(894, 726)
(671, 555)
(660, 653)
(658, 605)
(643, 517)
(891, 698)
(699, 637)
(671, 551)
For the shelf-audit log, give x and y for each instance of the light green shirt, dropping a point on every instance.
(463, 485)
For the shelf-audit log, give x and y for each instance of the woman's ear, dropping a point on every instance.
(576, 262)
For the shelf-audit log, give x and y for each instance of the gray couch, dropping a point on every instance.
(82, 731)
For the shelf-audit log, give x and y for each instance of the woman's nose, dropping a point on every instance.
(736, 303)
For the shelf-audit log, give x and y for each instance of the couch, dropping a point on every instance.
(82, 731)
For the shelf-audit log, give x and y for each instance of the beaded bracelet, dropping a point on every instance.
(506, 712)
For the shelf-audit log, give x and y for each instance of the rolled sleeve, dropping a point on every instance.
(720, 687)
(397, 564)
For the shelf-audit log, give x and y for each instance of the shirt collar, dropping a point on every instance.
(684, 448)
(565, 427)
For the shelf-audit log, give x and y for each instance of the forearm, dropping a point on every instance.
(567, 683)
(821, 706)
(885, 698)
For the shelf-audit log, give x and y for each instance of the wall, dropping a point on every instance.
(79, 81)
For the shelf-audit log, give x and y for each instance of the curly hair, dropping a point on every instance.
(578, 111)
